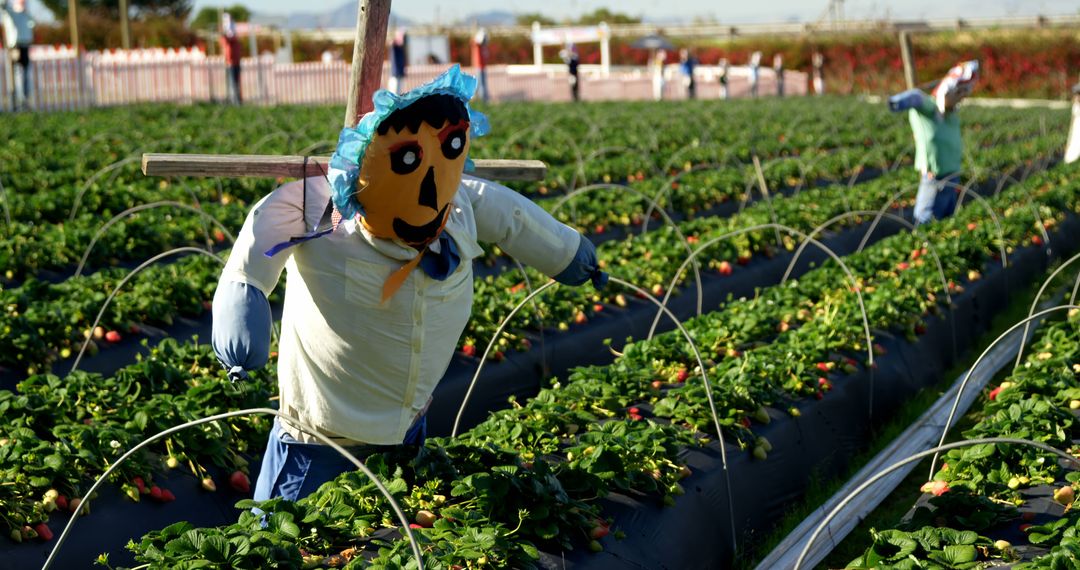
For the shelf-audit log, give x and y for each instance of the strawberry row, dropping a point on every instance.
(1010, 486)
(58, 434)
(73, 166)
(540, 467)
(649, 260)
(43, 322)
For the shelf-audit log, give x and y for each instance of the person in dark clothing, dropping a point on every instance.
(572, 59)
(230, 48)
(687, 62)
(398, 61)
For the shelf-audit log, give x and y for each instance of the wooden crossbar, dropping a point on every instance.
(295, 166)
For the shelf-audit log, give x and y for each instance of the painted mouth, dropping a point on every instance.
(416, 235)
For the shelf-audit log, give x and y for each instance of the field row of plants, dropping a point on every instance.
(79, 173)
(603, 429)
(985, 497)
(43, 322)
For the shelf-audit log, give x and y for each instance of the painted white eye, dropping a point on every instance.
(409, 158)
(455, 143)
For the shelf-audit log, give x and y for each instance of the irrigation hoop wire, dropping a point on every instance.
(139, 208)
(124, 281)
(916, 457)
(689, 339)
(267, 411)
(963, 384)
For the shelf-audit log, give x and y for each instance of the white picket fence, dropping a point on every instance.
(61, 80)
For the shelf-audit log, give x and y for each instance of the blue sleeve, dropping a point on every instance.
(583, 267)
(241, 329)
(910, 99)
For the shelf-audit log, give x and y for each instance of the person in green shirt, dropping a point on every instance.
(935, 124)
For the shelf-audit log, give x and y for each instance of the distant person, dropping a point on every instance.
(572, 59)
(939, 149)
(687, 63)
(658, 62)
(398, 61)
(778, 68)
(819, 76)
(755, 69)
(1072, 147)
(230, 48)
(18, 28)
(724, 75)
(479, 61)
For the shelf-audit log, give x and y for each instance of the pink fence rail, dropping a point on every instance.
(63, 82)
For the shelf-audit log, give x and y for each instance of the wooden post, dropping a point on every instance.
(73, 23)
(368, 52)
(908, 58)
(125, 25)
(366, 76)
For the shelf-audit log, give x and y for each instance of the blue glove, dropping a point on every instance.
(241, 330)
(583, 267)
(907, 100)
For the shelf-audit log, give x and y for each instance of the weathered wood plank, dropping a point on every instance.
(272, 166)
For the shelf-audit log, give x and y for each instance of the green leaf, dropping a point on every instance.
(54, 462)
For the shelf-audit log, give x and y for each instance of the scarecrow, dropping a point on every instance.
(378, 259)
(935, 125)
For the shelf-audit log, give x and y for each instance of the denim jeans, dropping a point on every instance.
(294, 470)
(936, 198)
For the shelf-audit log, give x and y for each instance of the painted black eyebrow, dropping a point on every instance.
(435, 110)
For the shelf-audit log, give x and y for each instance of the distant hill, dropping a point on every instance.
(490, 18)
(344, 16)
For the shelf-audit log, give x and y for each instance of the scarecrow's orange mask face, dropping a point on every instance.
(408, 180)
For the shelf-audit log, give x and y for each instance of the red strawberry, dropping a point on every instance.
(239, 482)
(139, 483)
(167, 496)
(43, 532)
(971, 226)
(219, 236)
(692, 240)
(822, 366)
(636, 417)
(61, 502)
(746, 423)
(600, 530)
(155, 493)
(920, 329)
(682, 375)
(724, 268)
(597, 308)
(414, 526)
(599, 229)
(1036, 240)
(903, 266)
(112, 336)
(469, 350)
(1024, 528)
(994, 393)
(634, 410)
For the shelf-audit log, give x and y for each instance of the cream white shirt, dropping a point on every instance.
(357, 368)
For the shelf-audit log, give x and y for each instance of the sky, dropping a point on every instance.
(444, 11)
